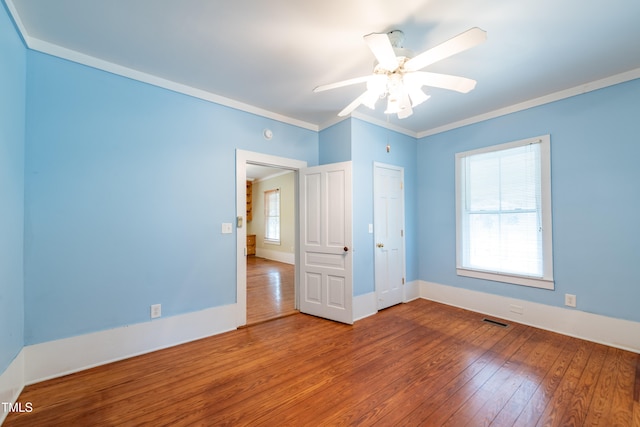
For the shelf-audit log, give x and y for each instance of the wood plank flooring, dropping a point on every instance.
(414, 364)
(270, 290)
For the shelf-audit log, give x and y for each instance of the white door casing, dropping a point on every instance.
(242, 158)
(326, 262)
(388, 201)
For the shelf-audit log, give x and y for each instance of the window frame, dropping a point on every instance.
(267, 194)
(545, 281)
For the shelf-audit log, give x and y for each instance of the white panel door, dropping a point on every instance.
(388, 217)
(326, 277)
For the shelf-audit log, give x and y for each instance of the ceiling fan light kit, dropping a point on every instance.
(397, 76)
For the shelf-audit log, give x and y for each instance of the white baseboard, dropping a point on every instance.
(11, 383)
(619, 333)
(411, 290)
(364, 306)
(286, 257)
(367, 305)
(60, 357)
(52, 359)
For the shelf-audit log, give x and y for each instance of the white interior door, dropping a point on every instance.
(326, 276)
(388, 217)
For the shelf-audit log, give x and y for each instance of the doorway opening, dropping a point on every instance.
(271, 242)
(279, 274)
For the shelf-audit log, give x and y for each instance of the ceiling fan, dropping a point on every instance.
(397, 76)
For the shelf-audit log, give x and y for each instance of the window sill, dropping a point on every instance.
(272, 242)
(533, 282)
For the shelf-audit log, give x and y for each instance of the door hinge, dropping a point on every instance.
(403, 280)
(401, 185)
(401, 233)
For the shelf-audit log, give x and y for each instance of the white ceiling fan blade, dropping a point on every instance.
(342, 83)
(443, 81)
(457, 44)
(382, 50)
(354, 104)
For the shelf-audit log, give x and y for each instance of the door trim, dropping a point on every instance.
(242, 157)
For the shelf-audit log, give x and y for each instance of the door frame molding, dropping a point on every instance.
(242, 158)
(404, 229)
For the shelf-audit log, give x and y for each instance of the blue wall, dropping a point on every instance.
(113, 198)
(595, 196)
(363, 144)
(127, 185)
(335, 143)
(12, 124)
(369, 145)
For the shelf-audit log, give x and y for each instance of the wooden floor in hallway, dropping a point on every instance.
(414, 364)
(270, 289)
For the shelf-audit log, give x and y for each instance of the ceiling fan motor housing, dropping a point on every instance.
(396, 38)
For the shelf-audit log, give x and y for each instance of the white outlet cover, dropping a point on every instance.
(570, 300)
(156, 310)
(227, 228)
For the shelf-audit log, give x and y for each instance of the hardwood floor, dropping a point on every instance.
(270, 290)
(415, 364)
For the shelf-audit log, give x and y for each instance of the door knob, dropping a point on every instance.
(380, 245)
(346, 249)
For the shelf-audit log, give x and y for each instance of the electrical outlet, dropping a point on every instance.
(156, 310)
(569, 300)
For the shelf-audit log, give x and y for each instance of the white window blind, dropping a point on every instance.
(503, 213)
(272, 216)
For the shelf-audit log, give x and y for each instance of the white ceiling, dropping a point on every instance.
(269, 55)
(259, 172)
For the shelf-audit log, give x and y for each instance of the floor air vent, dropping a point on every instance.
(495, 322)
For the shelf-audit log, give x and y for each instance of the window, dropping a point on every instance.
(503, 213)
(272, 216)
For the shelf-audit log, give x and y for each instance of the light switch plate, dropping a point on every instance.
(227, 228)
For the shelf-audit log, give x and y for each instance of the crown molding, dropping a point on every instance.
(556, 96)
(74, 56)
(384, 124)
(369, 119)
(93, 62)
(90, 61)
(334, 121)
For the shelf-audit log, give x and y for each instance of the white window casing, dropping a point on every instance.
(503, 213)
(272, 216)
